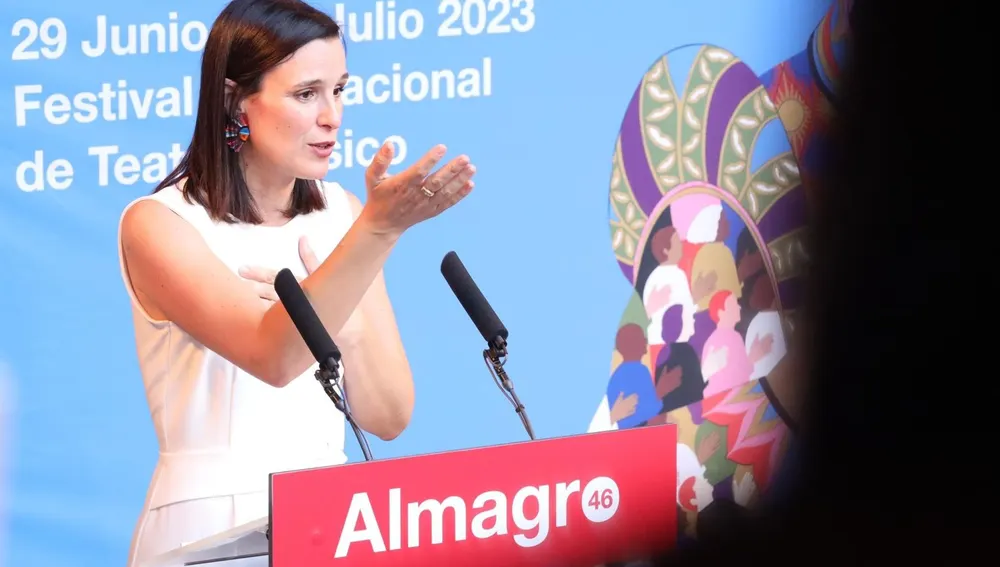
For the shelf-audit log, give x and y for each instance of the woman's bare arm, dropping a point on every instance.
(178, 278)
(378, 379)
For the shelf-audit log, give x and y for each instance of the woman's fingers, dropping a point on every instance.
(259, 274)
(462, 176)
(262, 280)
(266, 291)
(440, 178)
(448, 198)
(379, 166)
(417, 172)
(309, 259)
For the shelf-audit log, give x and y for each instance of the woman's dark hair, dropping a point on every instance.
(249, 38)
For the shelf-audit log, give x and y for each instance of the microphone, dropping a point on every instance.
(489, 326)
(474, 303)
(320, 344)
(305, 319)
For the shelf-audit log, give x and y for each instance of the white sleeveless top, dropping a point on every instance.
(220, 430)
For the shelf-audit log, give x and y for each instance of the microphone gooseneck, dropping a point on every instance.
(495, 363)
(489, 326)
(321, 345)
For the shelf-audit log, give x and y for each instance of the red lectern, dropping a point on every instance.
(583, 500)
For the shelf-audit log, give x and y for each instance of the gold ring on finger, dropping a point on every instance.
(427, 191)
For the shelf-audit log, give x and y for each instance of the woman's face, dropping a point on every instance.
(295, 116)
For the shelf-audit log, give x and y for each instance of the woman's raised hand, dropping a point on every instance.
(397, 202)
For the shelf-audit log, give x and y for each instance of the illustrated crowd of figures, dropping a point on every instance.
(710, 181)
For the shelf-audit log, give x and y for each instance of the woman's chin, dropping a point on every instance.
(316, 170)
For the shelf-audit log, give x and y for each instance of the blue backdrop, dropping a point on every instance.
(555, 77)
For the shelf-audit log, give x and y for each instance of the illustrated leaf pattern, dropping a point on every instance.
(658, 107)
(625, 215)
(749, 119)
(789, 255)
(770, 182)
(766, 186)
(710, 64)
(673, 124)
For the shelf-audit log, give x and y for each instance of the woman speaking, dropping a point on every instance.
(227, 375)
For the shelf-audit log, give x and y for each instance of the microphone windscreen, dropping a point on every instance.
(471, 298)
(304, 317)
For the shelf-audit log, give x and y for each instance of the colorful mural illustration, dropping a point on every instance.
(708, 205)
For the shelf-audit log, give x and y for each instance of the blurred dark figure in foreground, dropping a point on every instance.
(880, 481)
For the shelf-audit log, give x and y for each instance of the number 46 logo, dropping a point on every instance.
(600, 499)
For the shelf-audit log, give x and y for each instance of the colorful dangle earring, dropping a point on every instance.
(237, 132)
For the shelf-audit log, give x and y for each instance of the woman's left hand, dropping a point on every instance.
(263, 278)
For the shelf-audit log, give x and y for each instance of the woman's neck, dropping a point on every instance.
(272, 192)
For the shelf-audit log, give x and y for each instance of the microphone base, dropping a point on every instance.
(496, 357)
(328, 376)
